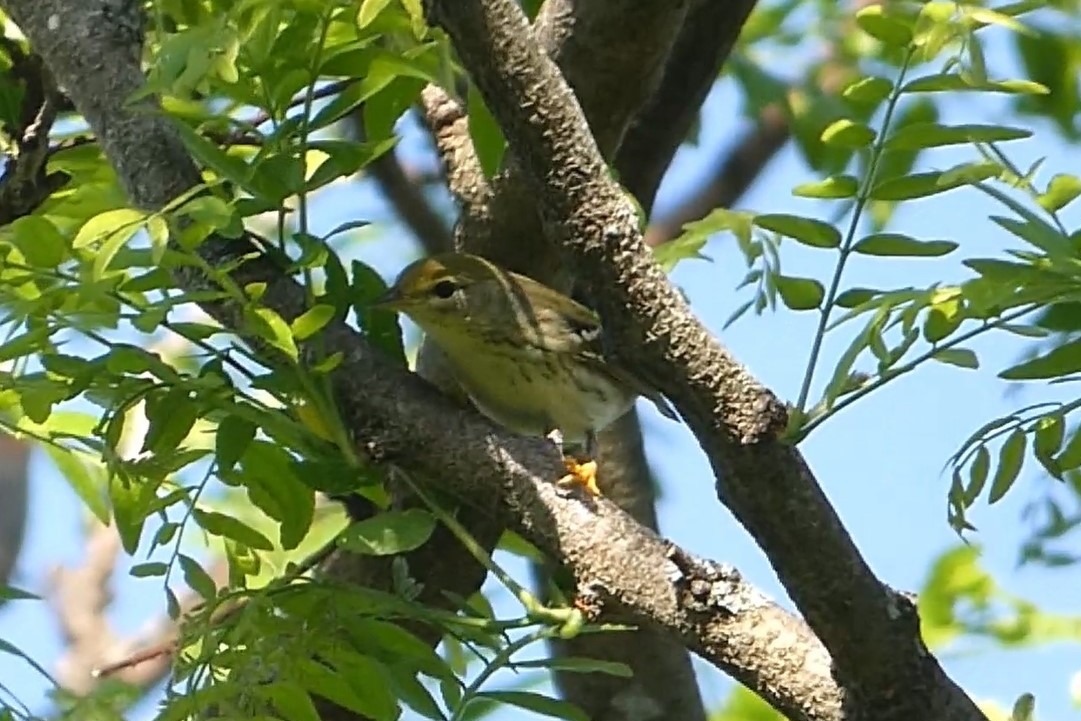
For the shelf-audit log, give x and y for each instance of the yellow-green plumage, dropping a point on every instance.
(528, 356)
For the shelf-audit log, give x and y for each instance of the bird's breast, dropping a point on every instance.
(531, 392)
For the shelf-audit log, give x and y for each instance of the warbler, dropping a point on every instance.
(529, 357)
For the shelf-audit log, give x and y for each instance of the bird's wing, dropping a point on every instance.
(584, 339)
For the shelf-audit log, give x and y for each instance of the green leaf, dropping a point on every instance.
(346, 227)
(232, 439)
(867, 91)
(952, 82)
(1059, 362)
(28, 343)
(800, 293)
(270, 326)
(580, 665)
(380, 326)
(943, 318)
(921, 185)
(225, 526)
(1049, 434)
(537, 703)
(151, 569)
(896, 244)
(845, 133)
(890, 30)
(836, 186)
(41, 244)
(227, 167)
(1061, 191)
(290, 699)
(197, 578)
(389, 533)
(122, 222)
(932, 135)
(1024, 708)
(333, 685)
(369, 10)
(171, 418)
(10, 593)
(808, 231)
(977, 475)
(854, 297)
(1010, 459)
(407, 688)
(311, 321)
(961, 357)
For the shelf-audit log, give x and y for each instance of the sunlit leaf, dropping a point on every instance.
(889, 29)
(837, 186)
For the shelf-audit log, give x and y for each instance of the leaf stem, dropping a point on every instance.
(862, 199)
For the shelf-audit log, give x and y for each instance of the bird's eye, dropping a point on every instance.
(444, 289)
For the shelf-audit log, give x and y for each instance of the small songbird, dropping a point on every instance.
(529, 357)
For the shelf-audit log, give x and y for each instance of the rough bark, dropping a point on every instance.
(401, 421)
(871, 632)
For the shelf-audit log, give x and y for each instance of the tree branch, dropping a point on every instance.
(632, 39)
(733, 173)
(449, 126)
(14, 459)
(871, 632)
(406, 195)
(25, 183)
(699, 51)
(397, 419)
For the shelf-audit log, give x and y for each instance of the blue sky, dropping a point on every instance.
(880, 462)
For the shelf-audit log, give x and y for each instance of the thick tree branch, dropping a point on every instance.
(871, 632)
(613, 51)
(635, 35)
(397, 419)
(449, 126)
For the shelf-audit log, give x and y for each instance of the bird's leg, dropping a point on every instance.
(578, 473)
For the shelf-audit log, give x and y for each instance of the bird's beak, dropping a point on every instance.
(390, 300)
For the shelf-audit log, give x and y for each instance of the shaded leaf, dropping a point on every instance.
(896, 244)
(225, 526)
(1061, 361)
(1010, 459)
(389, 533)
(800, 293)
(933, 135)
(961, 357)
(808, 231)
(537, 703)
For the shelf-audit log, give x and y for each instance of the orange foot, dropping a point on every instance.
(580, 474)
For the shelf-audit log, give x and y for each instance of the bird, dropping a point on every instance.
(529, 357)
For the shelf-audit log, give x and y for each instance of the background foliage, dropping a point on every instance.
(212, 459)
